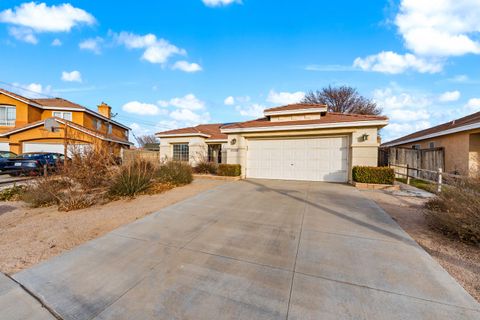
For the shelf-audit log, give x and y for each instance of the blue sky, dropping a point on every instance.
(167, 64)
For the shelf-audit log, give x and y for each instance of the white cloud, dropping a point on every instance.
(35, 17)
(189, 118)
(23, 34)
(56, 42)
(218, 3)
(73, 76)
(252, 110)
(187, 66)
(93, 44)
(285, 98)
(394, 63)
(473, 105)
(155, 50)
(189, 102)
(408, 115)
(396, 130)
(461, 78)
(449, 96)
(143, 109)
(229, 101)
(448, 28)
(32, 90)
(139, 130)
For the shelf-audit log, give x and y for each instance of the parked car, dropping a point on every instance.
(4, 157)
(33, 163)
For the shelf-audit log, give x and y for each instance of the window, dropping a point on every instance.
(109, 128)
(215, 153)
(180, 152)
(63, 115)
(416, 147)
(97, 124)
(431, 145)
(8, 115)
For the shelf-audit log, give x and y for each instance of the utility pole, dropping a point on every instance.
(65, 142)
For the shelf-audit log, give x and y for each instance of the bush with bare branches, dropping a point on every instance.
(456, 210)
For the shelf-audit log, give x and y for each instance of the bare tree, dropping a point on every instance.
(146, 139)
(343, 99)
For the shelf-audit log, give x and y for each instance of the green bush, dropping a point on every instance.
(132, 178)
(379, 175)
(206, 167)
(230, 170)
(13, 193)
(175, 172)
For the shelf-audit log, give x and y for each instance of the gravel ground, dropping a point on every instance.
(29, 236)
(461, 260)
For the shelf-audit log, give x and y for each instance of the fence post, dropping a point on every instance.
(408, 175)
(45, 170)
(439, 187)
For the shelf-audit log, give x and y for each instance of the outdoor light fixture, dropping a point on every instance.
(364, 137)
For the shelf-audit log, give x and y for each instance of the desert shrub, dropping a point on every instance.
(175, 173)
(231, 170)
(44, 191)
(380, 175)
(13, 193)
(133, 178)
(206, 167)
(74, 200)
(456, 210)
(90, 168)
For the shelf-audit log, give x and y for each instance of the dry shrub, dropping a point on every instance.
(158, 187)
(456, 210)
(175, 173)
(44, 191)
(13, 193)
(74, 200)
(132, 178)
(89, 168)
(205, 167)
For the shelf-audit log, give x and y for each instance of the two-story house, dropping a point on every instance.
(23, 125)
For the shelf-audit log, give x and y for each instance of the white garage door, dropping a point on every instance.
(318, 159)
(4, 146)
(51, 147)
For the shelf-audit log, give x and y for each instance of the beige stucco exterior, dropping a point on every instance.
(363, 153)
(462, 151)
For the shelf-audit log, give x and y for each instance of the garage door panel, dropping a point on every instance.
(317, 159)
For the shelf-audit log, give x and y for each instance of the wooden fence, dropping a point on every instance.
(130, 155)
(427, 161)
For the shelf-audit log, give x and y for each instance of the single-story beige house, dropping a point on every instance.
(460, 139)
(293, 142)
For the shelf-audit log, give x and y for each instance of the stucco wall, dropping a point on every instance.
(474, 156)
(293, 117)
(361, 152)
(198, 148)
(457, 150)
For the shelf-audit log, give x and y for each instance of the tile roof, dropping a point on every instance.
(71, 124)
(330, 117)
(470, 119)
(212, 130)
(297, 106)
(58, 102)
(17, 96)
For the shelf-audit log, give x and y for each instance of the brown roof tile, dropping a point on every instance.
(212, 130)
(58, 102)
(296, 107)
(330, 117)
(470, 119)
(17, 96)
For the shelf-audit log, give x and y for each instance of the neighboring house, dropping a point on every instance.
(460, 139)
(22, 125)
(293, 142)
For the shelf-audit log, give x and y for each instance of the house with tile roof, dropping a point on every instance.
(23, 125)
(293, 142)
(460, 139)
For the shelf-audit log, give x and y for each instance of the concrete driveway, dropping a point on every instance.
(254, 249)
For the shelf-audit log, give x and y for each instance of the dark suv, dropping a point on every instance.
(34, 163)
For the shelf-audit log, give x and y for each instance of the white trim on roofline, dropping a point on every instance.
(216, 140)
(295, 111)
(173, 135)
(436, 134)
(66, 108)
(309, 126)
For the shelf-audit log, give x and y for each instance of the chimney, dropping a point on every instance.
(105, 110)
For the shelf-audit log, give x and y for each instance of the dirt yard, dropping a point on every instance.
(461, 260)
(29, 236)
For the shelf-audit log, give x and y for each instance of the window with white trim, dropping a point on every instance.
(8, 115)
(63, 115)
(98, 124)
(181, 152)
(109, 128)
